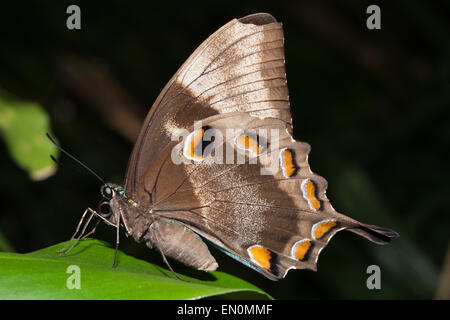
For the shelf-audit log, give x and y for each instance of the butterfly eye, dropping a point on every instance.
(104, 209)
(106, 192)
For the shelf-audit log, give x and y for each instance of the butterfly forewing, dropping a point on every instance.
(236, 61)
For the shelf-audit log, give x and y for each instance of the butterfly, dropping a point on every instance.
(263, 206)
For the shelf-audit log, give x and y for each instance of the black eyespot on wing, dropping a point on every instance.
(274, 263)
(201, 149)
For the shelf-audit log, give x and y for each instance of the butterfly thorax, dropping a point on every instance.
(169, 236)
(124, 210)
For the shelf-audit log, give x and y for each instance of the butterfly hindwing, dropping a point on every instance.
(245, 210)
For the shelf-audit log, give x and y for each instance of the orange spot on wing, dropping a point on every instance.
(191, 144)
(287, 162)
(322, 228)
(309, 193)
(301, 249)
(248, 143)
(261, 255)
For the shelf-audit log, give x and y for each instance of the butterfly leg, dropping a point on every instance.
(169, 266)
(117, 244)
(92, 231)
(76, 231)
(64, 251)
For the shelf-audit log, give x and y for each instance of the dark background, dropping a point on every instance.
(373, 104)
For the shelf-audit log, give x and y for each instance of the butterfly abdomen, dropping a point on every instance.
(177, 241)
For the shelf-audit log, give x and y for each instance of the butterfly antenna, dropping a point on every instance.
(72, 157)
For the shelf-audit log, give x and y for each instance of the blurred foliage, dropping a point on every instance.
(374, 105)
(4, 244)
(39, 275)
(23, 126)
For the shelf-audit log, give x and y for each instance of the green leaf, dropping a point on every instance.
(43, 275)
(23, 126)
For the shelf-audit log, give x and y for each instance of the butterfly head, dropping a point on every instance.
(108, 192)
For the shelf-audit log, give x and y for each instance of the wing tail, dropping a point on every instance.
(375, 234)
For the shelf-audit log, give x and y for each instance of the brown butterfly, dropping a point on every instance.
(271, 215)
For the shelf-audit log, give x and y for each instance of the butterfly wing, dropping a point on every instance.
(243, 60)
(268, 210)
